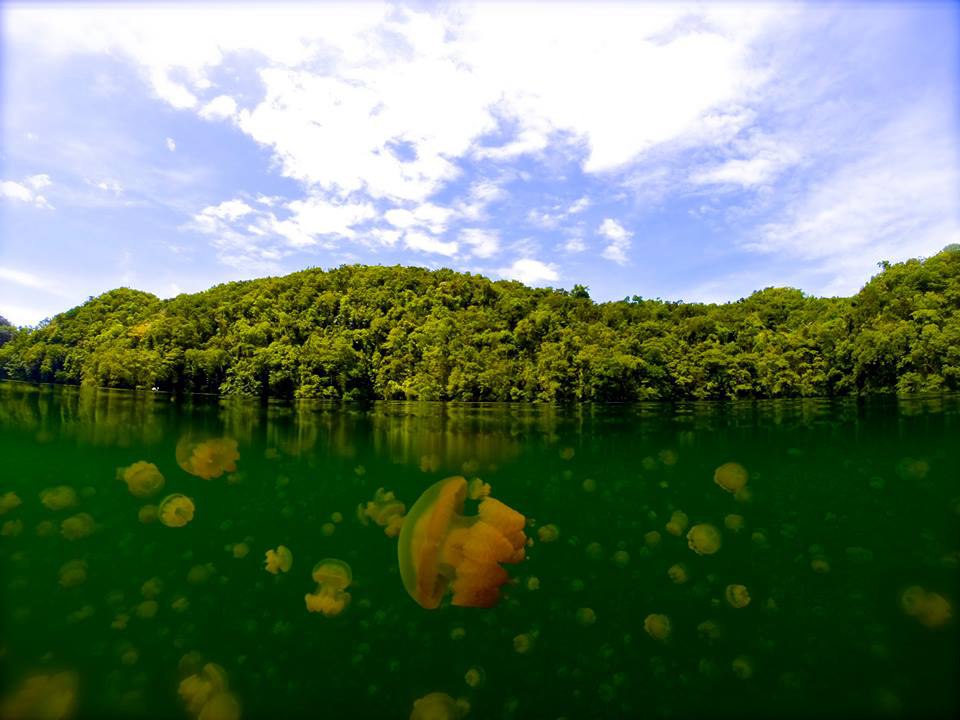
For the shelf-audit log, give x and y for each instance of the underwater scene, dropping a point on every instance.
(214, 559)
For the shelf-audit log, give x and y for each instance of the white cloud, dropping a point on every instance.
(574, 245)
(530, 272)
(108, 185)
(619, 239)
(484, 243)
(579, 206)
(227, 210)
(425, 216)
(765, 160)
(422, 242)
(315, 216)
(220, 108)
(30, 280)
(14, 190)
(171, 144)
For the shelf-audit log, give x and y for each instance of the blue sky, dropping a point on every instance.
(694, 152)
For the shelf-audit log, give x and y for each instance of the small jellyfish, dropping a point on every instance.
(12, 528)
(758, 537)
(45, 528)
(594, 550)
(9, 501)
(621, 558)
(704, 539)
(533, 583)
(477, 489)
(330, 598)
(652, 539)
(240, 550)
(143, 479)
(198, 689)
(129, 655)
(737, 596)
(678, 523)
(931, 609)
(385, 510)
(73, 574)
(151, 588)
(475, 677)
(524, 643)
(222, 706)
(657, 626)
(678, 573)
(180, 603)
(78, 526)
(148, 514)
(589, 485)
(147, 609)
(207, 459)
(734, 523)
(548, 533)
(279, 560)
(458, 633)
(199, 574)
(441, 548)
(709, 630)
(820, 564)
(567, 453)
(743, 667)
(586, 616)
(731, 476)
(437, 706)
(59, 497)
(176, 510)
(336, 517)
(120, 622)
(328, 529)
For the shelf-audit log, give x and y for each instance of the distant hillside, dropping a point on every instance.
(401, 332)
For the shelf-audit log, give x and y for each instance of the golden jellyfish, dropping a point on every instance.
(46, 528)
(385, 510)
(678, 523)
(475, 677)
(151, 588)
(9, 501)
(336, 517)
(59, 497)
(743, 667)
(441, 548)
(478, 489)
(78, 526)
(175, 510)
(731, 476)
(143, 479)
(533, 583)
(328, 529)
(43, 697)
(524, 642)
(199, 574)
(11, 528)
(279, 560)
(589, 485)
(437, 706)
(567, 453)
(678, 573)
(734, 523)
(548, 533)
(709, 630)
(120, 622)
(737, 596)
(657, 626)
(704, 539)
(198, 689)
(651, 539)
(621, 558)
(820, 564)
(180, 603)
(148, 514)
(73, 574)
(241, 550)
(207, 459)
(147, 609)
(931, 609)
(586, 616)
(222, 706)
(330, 598)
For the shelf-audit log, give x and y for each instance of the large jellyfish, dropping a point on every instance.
(931, 609)
(279, 560)
(78, 526)
(440, 547)
(143, 479)
(207, 459)
(657, 626)
(207, 696)
(737, 596)
(437, 706)
(333, 577)
(8, 501)
(176, 510)
(385, 510)
(704, 539)
(43, 697)
(731, 476)
(678, 523)
(59, 497)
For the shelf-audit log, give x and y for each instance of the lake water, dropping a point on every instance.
(848, 548)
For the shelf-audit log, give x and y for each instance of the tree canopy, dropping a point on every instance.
(410, 333)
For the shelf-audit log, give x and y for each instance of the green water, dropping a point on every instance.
(868, 490)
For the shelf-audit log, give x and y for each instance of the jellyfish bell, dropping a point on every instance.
(658, 626)
(333, 577)
(279, 560)
(143, 479)
(731, 476)
(441, 549)
(678, 573)
(437, 706)
(678, 523)
(176, 510)
(737, 596)
(59, 497)
(78, 526)
(209, 458)
(704, 539)
(9, 501)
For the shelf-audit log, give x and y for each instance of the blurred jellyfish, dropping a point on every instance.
(207, 459)
(45, 528)
(586, 616)
(78, 526)
(330, 598)
(385, 510)
(11, 528)
(931, 609)
(42, 697)
(151, 588)
(548, 533)
(199, 574)
(148, 514)
(336, 517)
(458, 633)
(73, 573)
(477, 489)
(621, 558)
(279, 560)
(440, 547)
(704, 539)
(709, 630)
(737, 596)
(820, 564)
(437, 706)
(657, 626)
(176, 510)
(328, 529)
(533, 583)
(678, 573)
(678, 523)
(240, 550)
(199, 689)
(222, 706)
(59, 497)
(594, 550)
(524, 642)
(733, 523)
(120, 622)
(143, 479)
(652, 539)
(475, 677)
(180, 603)
(589, 485)
(147, 609)
(731, 476)
(567, 453)
(743, 667)
(9, 501)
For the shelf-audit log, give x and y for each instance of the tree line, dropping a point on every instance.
(364, 332)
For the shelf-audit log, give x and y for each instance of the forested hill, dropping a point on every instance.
(401, 332)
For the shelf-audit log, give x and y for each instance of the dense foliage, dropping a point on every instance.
(400, 332)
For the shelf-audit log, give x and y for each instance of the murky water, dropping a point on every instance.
(848, 505)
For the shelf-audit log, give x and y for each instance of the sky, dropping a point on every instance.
(690, 152)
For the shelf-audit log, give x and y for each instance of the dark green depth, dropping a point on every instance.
(409, 333)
